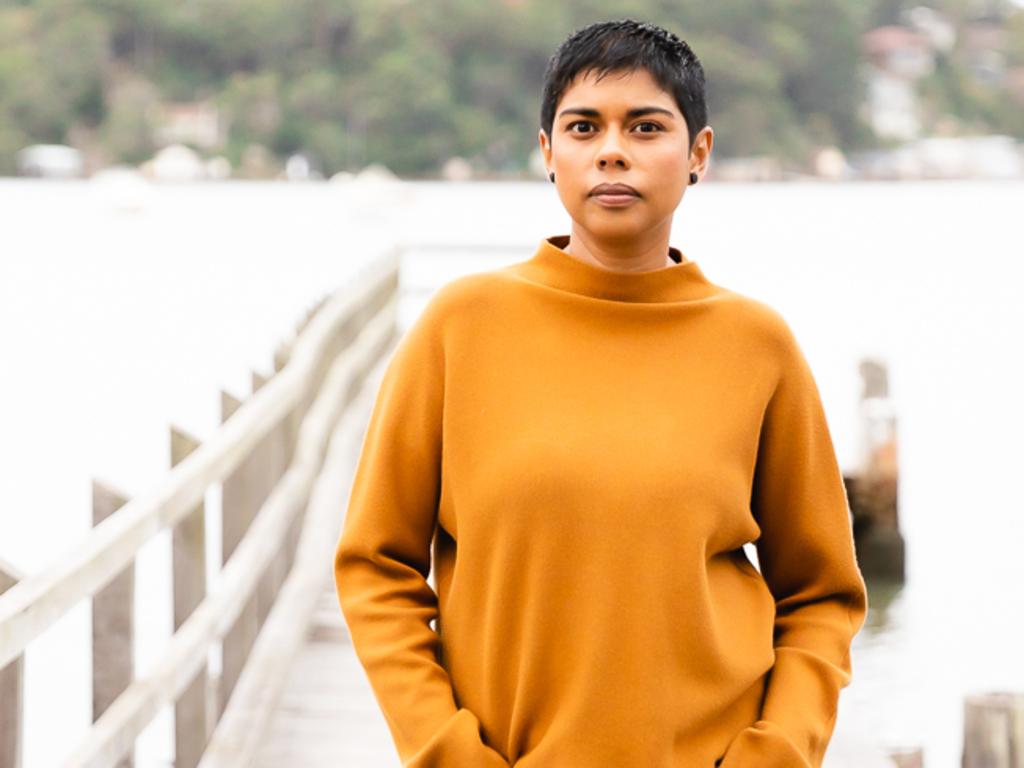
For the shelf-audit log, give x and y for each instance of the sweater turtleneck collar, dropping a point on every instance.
(550, 265)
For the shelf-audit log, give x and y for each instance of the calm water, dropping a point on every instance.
(116, 323)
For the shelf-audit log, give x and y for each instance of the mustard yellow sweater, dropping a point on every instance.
(580, 455)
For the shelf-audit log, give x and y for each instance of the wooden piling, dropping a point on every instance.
(993, 730)
(907, 757)
(872, 491)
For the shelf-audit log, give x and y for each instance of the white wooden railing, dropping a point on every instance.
(266, 456)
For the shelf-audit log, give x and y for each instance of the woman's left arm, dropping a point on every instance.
(806, 555)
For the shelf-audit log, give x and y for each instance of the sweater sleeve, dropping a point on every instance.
(807, 557)
(382, 561)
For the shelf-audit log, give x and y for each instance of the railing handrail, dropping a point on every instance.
(32, 605)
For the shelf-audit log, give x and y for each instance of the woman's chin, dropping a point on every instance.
(606, 228)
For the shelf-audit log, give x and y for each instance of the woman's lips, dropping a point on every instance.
(616, 199)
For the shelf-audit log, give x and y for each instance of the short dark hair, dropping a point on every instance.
(627, 45)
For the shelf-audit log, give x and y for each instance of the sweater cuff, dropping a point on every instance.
(763, 745)
(457, 744)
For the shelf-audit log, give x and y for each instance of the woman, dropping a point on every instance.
(579, 445)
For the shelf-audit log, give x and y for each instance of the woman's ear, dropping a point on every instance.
(545, 146)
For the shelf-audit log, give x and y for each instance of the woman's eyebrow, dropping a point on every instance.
(635, 112)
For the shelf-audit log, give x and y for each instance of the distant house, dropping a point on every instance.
(895, 59)
(197, 123)
(49, 161)
(899, 51)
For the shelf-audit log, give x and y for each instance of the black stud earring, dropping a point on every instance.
(551, 176)
(693, 177)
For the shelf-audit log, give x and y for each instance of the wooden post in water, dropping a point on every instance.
(189, 582)
(873, 491)
(112, 622)
(12, 679)
(238, 506)
(993, 730)
(908, 757)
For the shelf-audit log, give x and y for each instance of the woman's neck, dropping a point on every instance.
(652, 253)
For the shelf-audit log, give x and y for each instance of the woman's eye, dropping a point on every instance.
(588, 123)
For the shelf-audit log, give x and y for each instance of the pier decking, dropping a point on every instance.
(327, 715)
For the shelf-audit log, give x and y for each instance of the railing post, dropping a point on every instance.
(287, 435)
(282, 355)
(262, 461)
(11, 689)
(112, 621)
(238, 505)
(189, 583)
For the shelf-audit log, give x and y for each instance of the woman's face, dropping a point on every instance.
(594, 141)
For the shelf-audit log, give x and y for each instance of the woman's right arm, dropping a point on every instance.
(382, 561)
